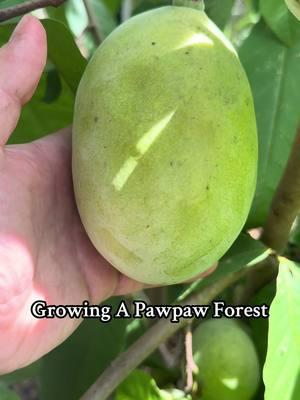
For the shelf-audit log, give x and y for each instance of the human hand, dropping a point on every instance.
(44, 251)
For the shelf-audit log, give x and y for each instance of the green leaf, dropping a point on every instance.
(218, 11)
(10, 3)
(145, 5)
(244, 253)
(58, 13)
(254, 4)
(274, 74)
(5, 32)
(29, 372)
(39, 118)
(260, 326)
(282, 368)
(140, 385)
(294, 7)
(113, 5)
(53, 88)
(7, 394)
(69, 370)
(282, 22)
(78, 19)
(64, 53)
(104, 17)
(76, 16)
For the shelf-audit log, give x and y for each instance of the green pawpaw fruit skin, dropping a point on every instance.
(227, 360)
(164, 146)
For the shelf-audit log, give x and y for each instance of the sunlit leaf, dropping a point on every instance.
(282, 367)
(78, 20)
(294, 7)
(76, 16)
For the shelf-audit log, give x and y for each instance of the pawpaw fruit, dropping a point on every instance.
(227, 360)
(164, 146)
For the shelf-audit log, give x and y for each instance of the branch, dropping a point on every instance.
(26, 7)
(286, 203)
(93, 25)
(191, 367)
(125, 363)
(126, 10)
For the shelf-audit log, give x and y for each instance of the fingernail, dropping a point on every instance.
(18, 29)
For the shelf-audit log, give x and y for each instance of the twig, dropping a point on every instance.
(93, 25)
(145, 345)
(26, 7)
(126, 10)
(286, 203)
(191, 366)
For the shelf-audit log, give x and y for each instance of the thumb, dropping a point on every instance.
(22, 61)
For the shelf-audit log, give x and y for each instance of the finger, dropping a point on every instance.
(22, 61)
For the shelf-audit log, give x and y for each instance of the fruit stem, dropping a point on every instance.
(196, 4)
